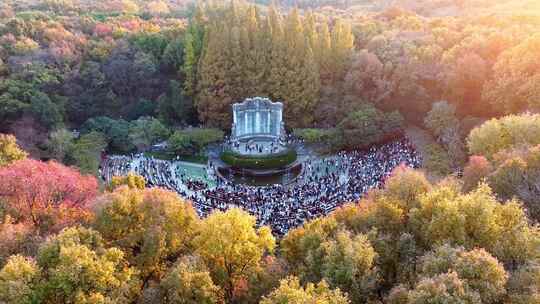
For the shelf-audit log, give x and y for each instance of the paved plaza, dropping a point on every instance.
(258, 147)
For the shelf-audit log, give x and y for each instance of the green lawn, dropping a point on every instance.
(199, 159)
(194, 172)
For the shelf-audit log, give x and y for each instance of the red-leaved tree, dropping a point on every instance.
(46, 195)
(476, 169)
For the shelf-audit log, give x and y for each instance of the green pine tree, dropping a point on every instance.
(302, 82)
(193, 45)
(323, 53)
(214, 98)
(256, 43)
(342, 46)
(278, 65)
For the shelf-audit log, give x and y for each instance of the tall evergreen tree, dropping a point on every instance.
(285, 58)
(255, 42)
(174, 106)
(342, 46)
(215, 96)
(301, 79)
(322, 52)
(193, 45)
(235, 61)
(310, 27)
(277, 63)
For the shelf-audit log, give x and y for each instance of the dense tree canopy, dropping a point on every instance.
(9, 150)
(86, 151)
(513, 174)
(283, 57)
(152, 226)
(290, 291)
(410, 242)
(59, 144)
(230, 244)
(18, 278)
(193, 141)
(516, 78)
(189, 282)
(47, 196)
(72, 267)
(80, 78)
(509, 132)
(132, 180)
(63, 63)
(368, 126)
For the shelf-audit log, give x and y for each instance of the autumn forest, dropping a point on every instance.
(88, 85)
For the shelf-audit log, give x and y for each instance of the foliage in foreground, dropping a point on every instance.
(406, 223)
(291, 291)
(152, 226)
(410, 242)
(72, 267)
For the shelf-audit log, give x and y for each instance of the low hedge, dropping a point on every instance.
(275, 161)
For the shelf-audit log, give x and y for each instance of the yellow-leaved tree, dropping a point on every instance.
(9, 150)
(290, 291)
(152, 226)
(232, 248)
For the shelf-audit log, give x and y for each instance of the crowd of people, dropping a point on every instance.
(324, 184)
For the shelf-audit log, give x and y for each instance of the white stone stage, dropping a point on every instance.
(258, 127)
